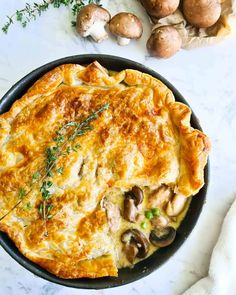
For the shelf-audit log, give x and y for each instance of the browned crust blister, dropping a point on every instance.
(54, 97)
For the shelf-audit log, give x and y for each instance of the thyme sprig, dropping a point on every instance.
(32, 11)
(53, 153)
(63, 140)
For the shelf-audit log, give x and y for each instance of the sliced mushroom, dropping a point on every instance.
(133, 199)
(131, 251)
(162, 237)
(137, 239)
(138, 195)
(91, 21)
(126, 26)
(130, 210)
(176, 206)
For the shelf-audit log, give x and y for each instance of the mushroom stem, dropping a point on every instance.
(97, 31)
(122, 41)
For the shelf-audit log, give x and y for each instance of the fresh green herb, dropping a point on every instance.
(68, 150)
(28, 206)
(58, 139)
(48, 208)
(156, 212)
(73, 23)
(44, 212)
(74, 149)
(22, 193)
(32, 11)
(35, 176)
(52, 154)
(143, 225)
(51, 157)
(60, 170)
(46, 194)
(149, 215)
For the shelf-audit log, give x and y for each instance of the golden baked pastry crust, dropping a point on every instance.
(144, 138)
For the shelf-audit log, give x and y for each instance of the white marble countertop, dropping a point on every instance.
(206, 77)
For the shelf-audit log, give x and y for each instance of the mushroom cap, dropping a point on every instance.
(202, 14)
(126, 25)
(88, 15)
(135, 236)
(136, 193)
(162, 238)
(160, 8)
(130, 210)
(164, 42)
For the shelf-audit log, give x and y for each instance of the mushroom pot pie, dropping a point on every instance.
(96, 169)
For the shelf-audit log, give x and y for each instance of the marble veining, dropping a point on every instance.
(206, 78)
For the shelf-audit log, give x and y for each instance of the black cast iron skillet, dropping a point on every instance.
(148, 265)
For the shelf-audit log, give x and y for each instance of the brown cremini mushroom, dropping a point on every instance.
(164, 42)
(126, 26)
(133, 199)
(91, 21)
(130, 210)
(160, 8)
(202, 13)
(136, 244)
(162, 237)
(131, 251)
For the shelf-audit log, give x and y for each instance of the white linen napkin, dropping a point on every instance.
(221, 279)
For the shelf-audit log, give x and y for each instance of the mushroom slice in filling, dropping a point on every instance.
(136, 244)
(133, 200)
(162, 237)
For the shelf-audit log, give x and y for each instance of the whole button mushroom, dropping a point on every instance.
(126, 26)
(136, 244)
(162, 237)
(164, 42)
(160, 8)
(202, 13)
(91, 21)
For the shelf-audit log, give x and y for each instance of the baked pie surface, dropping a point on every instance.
(143, 139)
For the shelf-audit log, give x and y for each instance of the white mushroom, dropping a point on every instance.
(126, 26)
(91, 21)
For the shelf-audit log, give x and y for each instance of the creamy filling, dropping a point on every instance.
(143, 223)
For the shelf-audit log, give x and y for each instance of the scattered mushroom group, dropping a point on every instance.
(164, 41)
(92, 19)
(162, 234)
